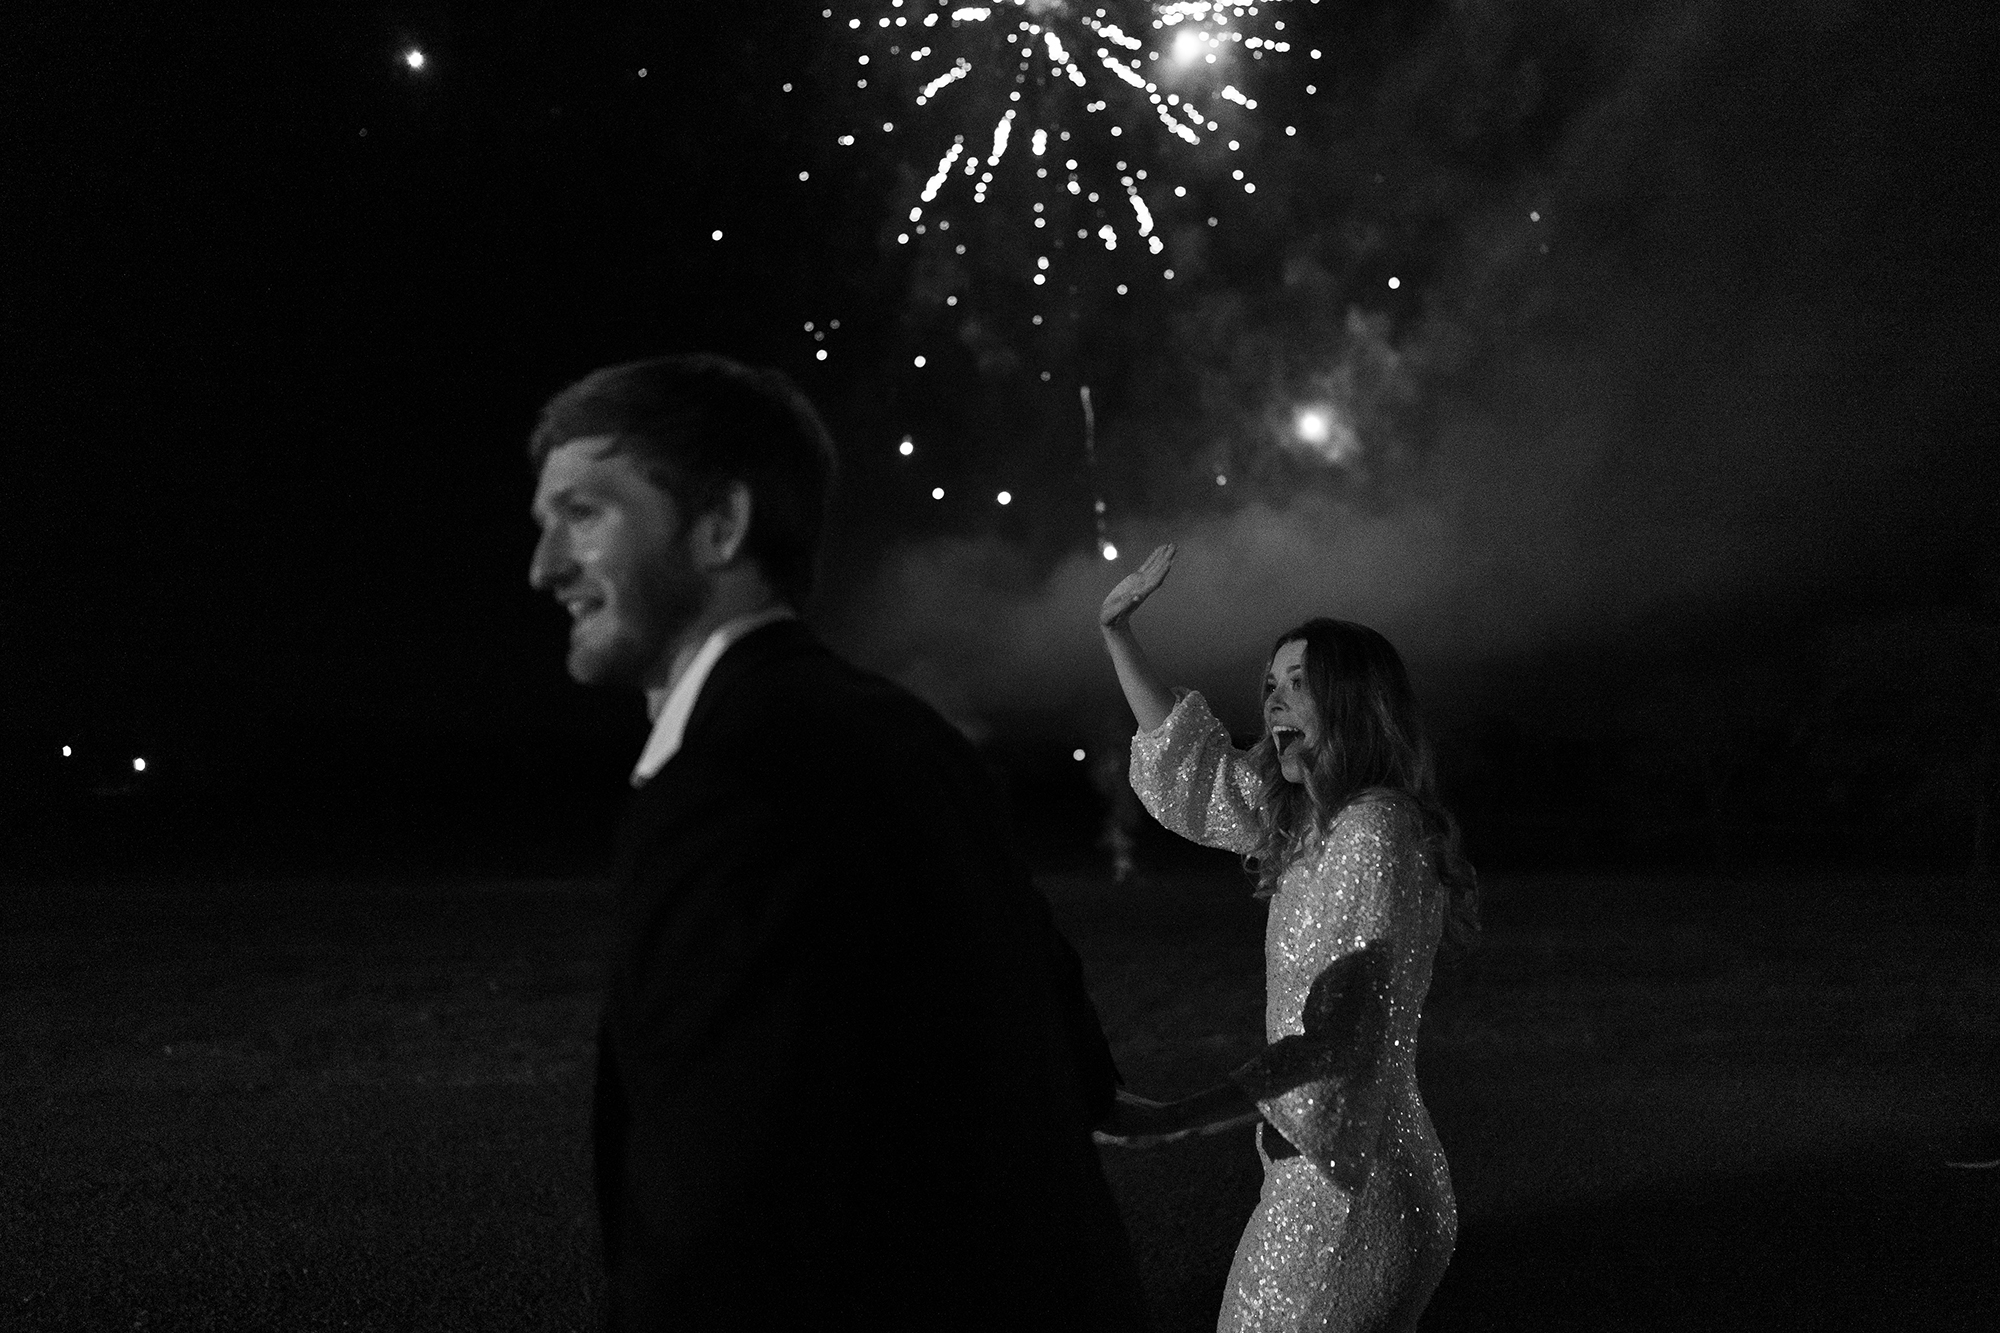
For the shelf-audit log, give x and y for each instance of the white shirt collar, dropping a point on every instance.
(669, 726)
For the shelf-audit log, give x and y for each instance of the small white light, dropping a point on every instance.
(1110, 551)
(1394, 283)
(1076, 755)
(919, 362)
(1005, 498)
(820, 355)
(1534, 217)
(1121, 289)
(642, 72)
(1221, 480)
(413, 58)
(937, 492)
(805, 175)
(138, 765)
(1315, 426)
(66, 752)
(715, 235)
(907, 447)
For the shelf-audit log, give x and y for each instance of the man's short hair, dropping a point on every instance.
(695, 424)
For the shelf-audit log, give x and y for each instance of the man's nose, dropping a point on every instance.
(547, 563)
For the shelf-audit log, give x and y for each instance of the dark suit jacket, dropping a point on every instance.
(847, 1069)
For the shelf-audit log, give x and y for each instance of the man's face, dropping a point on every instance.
(613, 551)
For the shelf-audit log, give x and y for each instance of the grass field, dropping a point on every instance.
(1668, 1103)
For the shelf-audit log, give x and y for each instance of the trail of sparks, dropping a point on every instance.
(1074, 79)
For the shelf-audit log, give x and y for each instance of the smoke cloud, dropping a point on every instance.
(1644, 365)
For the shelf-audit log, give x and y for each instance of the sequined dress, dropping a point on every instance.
(1356, 1231)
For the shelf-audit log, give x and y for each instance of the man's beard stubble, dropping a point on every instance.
(665, 598)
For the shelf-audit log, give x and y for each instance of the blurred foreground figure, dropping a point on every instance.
(847, 1070)
(1337, 808)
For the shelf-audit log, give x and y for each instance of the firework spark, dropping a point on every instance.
(1097, 91)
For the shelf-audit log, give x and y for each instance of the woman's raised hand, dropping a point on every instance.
(1136, 587)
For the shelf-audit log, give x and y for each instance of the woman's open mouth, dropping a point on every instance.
(1285, 738)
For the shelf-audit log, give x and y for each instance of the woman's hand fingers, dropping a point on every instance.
(1136, 587)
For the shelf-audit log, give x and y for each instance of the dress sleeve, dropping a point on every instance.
(1194, 781)
(1323, 1086)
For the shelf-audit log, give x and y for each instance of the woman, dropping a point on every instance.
(1336, 809)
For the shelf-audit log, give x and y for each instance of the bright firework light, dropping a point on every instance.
(1057, 136)
(1083, 83)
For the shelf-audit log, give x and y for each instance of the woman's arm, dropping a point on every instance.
(1136, 1122)
(1148, 695)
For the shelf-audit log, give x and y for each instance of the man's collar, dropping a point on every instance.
(670, 725)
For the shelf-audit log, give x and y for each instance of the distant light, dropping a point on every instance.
(66, 752)
(1221, 480)
(642, 71)
(1005, 497)
(1291, 130)
(1534, 217)
(937, 492)
(1315, 426)
(805, 175)
(1110, 551)
(820, 355)
(1076, 755)
(413, 58)
(715, 235)
(907, 447)
(138, 766)
(1121, 289)
(918, 362)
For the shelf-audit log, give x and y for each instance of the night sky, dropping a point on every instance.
(1688, 342)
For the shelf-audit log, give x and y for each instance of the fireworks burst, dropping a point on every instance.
(1053, 119)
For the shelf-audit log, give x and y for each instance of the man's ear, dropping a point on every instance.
(719, 534)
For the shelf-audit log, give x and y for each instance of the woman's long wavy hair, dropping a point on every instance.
(1372, 741)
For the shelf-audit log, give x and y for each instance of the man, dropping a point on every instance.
(847, 1070)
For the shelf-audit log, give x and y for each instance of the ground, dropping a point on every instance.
(1668, 1103)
